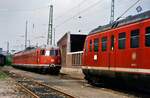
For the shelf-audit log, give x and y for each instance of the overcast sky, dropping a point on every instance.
(14, 13)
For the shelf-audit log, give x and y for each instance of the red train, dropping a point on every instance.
(119, 51)
(39, 59)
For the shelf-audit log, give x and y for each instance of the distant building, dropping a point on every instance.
(71, 46)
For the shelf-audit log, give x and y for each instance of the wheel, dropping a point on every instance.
(54, 71)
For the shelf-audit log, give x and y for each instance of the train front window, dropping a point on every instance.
(47, 53)
(122, 40)
(96, 44)
(147, 37)
(53, 52)
(134, 40)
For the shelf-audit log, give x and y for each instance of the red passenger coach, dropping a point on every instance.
(39, 59)
(119, 51)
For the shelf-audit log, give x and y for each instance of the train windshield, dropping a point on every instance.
(51, 53)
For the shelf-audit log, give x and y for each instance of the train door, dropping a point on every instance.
(112, 54)
(103, 54)
(134, 48)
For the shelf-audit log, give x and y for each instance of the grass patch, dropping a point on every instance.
(3, 75)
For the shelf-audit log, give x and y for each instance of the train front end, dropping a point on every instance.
(52, 58)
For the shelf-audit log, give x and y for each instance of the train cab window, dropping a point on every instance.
(122, 40)
(42, 52)
(90, 45)
(53, 52)
(147, 37)
(104, 43)
(96, 44)
(47, 53)
(134, 40)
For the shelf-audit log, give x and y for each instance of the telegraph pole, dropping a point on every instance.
(26, 34)
(50, 26)
(112, 11)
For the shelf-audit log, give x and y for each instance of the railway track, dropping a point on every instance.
(35, 86)
(38, 89)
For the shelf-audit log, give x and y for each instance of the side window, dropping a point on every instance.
(134, 39)
(122, 40)
(96, 44)
(104, 43)
(112, 42)
(90, 45)
(147, 37)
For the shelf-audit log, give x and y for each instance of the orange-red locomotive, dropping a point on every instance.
(40, 59)
(119, 51)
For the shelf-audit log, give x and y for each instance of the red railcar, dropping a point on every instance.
(39, 59)
(119, 51)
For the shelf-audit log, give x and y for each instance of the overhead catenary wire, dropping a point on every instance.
(70, 10)
(23, 10)
(127, 10)
(82, 11)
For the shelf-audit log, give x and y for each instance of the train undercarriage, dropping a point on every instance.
(51, 69)
(130, 80)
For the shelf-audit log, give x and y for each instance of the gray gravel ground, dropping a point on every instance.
(9, 89)
(77, 88)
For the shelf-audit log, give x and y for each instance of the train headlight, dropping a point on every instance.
(95, 57)
(52, 60)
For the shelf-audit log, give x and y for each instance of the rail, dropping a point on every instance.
(37, 89)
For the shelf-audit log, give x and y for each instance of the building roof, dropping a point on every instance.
(65, 35)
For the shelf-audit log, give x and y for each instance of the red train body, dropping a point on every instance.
(40, 59)
(119, 51)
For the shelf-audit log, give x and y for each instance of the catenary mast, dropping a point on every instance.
(50, 26)
(112, 11)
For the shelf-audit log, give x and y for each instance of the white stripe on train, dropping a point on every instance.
(131, 70)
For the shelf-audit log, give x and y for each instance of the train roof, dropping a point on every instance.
(48, 47)
(127, 20)
(34, 48)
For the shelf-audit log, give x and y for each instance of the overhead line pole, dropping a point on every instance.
(7, 47)
(26, 34)
(112, 11)
(54, 37)
(50, 26)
